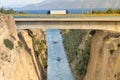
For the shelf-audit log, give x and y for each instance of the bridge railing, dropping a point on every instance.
(64, 15)
(46, 16)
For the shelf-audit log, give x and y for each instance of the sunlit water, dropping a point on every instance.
(58, 67)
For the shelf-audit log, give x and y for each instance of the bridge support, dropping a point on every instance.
(97, 25)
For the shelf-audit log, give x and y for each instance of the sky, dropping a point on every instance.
(55, 3)
(17, 2)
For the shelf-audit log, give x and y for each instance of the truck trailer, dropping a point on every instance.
(58, 12)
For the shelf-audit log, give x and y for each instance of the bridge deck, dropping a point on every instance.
(98, 23)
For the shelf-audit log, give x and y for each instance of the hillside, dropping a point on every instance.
(70, 4)
(77, 46)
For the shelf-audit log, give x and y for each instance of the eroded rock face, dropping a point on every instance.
(104, 61)
(32, 40)
(16, 63)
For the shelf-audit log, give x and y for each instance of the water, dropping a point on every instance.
(70, 11)
(58, 67)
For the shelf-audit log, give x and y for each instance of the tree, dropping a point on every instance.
(11, 10)
(100, 12)
(118, 11)
(2, 10)
(110, 11)
(94, 11)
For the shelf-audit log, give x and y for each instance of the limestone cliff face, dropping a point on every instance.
(32, 39)
(16, 59)
(104, 63)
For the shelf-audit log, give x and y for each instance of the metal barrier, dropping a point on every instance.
(64, 16)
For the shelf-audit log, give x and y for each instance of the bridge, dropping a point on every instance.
(58, 67)
(97, 23)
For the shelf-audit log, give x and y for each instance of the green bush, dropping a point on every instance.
(71, 41)
(108, 11)
(9, 44)
(83, 63)
(40, 44)
(44, 60)
(81, 69)
(20, 44)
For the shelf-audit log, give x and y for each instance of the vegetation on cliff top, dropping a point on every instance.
(108, 11)
(10, 11)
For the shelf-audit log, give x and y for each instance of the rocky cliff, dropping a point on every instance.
(19, 58)
(93, 55)
(104, 60)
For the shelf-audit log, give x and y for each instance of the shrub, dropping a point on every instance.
(9, 44)
(44, 60)
(40, 44)
(82, 67)
(71, 41)
(20, 44)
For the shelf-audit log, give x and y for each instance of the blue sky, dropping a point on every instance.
(17, 2)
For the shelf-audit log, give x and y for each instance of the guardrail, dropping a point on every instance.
(64, 15)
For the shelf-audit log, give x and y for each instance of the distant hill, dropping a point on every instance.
(69, 4)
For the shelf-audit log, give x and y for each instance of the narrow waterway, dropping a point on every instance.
(58, 67)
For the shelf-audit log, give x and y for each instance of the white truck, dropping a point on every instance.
(58, 12)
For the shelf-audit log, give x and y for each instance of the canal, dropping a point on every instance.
(58, 66)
